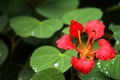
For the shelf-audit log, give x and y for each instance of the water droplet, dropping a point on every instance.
(106, 72)
(33, 33)
(92, 78)
(56, 64)
(113, 59)
(98, 63)
(117, 42)
(35, 69)
(112, 62)
(99, 66)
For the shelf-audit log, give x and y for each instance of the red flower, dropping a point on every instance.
(82, 65)
(94, 26)
(105, 52)
(65, 43)
(74, 27)
(95, 30)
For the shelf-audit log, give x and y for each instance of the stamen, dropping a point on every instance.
(79, 52)
(79, 40)
(88, 42)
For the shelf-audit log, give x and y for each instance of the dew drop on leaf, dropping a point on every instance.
(92, 78)
(33, 33)
(99, 66)
(112, 62)
(56, 64)
(98, 63)
(106, 72)
(35, 69)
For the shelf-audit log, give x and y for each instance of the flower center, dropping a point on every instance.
(86, 51)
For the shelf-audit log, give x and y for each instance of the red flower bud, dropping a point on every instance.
(105, 52)
(83, 66)
(74, 27)
(94, 26)
(65, 43)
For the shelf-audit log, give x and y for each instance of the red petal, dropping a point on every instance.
(81, 65)
(65, 42)
(94, 26)
(74, 27)
(106, 51)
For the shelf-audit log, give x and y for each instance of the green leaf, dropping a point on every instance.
(3, 22)
(116, 35)
(95, 74)
(82, 15)
(66, 30)
(116, 31)
(111, 67)
(49, 74)
(14, 6)
(26, 74)
(50, 57)
(26, 26)
(56, 8)
(3, 52)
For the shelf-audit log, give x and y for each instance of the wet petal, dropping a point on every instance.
(65, 43)
(94, 26)
(82, 65)
(106, 51)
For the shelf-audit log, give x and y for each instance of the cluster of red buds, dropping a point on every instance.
(85, 60)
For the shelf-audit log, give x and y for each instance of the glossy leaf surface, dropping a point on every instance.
(49, 57)
(49, 74)
(56, 8)
(82, 15)
(111, 67)
(26, 26)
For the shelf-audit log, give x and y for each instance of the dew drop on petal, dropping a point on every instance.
(56, 64)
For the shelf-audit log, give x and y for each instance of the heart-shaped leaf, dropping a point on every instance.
(26, 74)
(82, 15)
(49, 57)
(49, 74)
(56, 8)
(116, 35)
(111, 67)
(26, 26)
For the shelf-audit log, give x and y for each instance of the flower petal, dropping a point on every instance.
(82, 65)
(106, 51)
(65, 43)
(94, 26)
(74, 27)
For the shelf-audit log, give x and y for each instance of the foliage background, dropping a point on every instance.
(29, 25)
